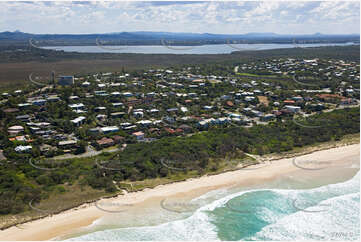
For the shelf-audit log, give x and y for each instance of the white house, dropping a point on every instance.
(234, 115)
(77, 121)
(249, 99)
(184, 109)
(77, 106)
(85, 84)
(109, 129)
(127, 94)
(145, 122)
(115, 93)
(23, 148)
(294, 109)
(117, 104)
(15, 129)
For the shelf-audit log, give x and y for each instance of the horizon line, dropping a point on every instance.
(139, 31)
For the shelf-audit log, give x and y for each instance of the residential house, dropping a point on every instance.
(11, 110)
(77, 107)
(13, 130)
(53, 99)
(24, 105)
(85, 84)
(138, 114)
(23, 148)
(117, 104)
(249, 98)
(184, 109)
(172, 110)
(145, 123)
(118, 139)
(67, 145)
(139, 135)
(78, 121)
(293, 109)
(267, 117)
(105, 142)
(100, 109)
(39, 102)
(117, 114)
(207, 107)
(109, 129)
(23, 118)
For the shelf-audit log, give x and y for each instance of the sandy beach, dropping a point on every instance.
(71, 220)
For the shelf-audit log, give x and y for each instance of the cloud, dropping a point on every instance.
(181, 16)
(166, 3)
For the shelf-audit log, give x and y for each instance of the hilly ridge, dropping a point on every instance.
(156, 38)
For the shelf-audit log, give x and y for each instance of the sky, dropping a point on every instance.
(236, 17)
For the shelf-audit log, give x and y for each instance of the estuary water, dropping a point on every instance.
(202, 49)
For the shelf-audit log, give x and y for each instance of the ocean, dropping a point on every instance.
(327, 212)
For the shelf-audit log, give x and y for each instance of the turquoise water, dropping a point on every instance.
(330, 212)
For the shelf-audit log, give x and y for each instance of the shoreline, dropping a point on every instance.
(68, 221)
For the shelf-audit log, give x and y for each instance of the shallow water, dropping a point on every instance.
(297, 206)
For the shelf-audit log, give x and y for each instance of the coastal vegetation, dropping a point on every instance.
(170, 157)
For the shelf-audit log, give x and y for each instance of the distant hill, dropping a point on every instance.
(169, 38)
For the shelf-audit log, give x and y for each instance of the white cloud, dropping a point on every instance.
(213, 17)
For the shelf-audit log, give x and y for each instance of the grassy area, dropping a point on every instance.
(57, 202)
(111, 148)
(345, 140)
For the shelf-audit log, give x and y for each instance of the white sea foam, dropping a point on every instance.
(196, 227)
(339, 221)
